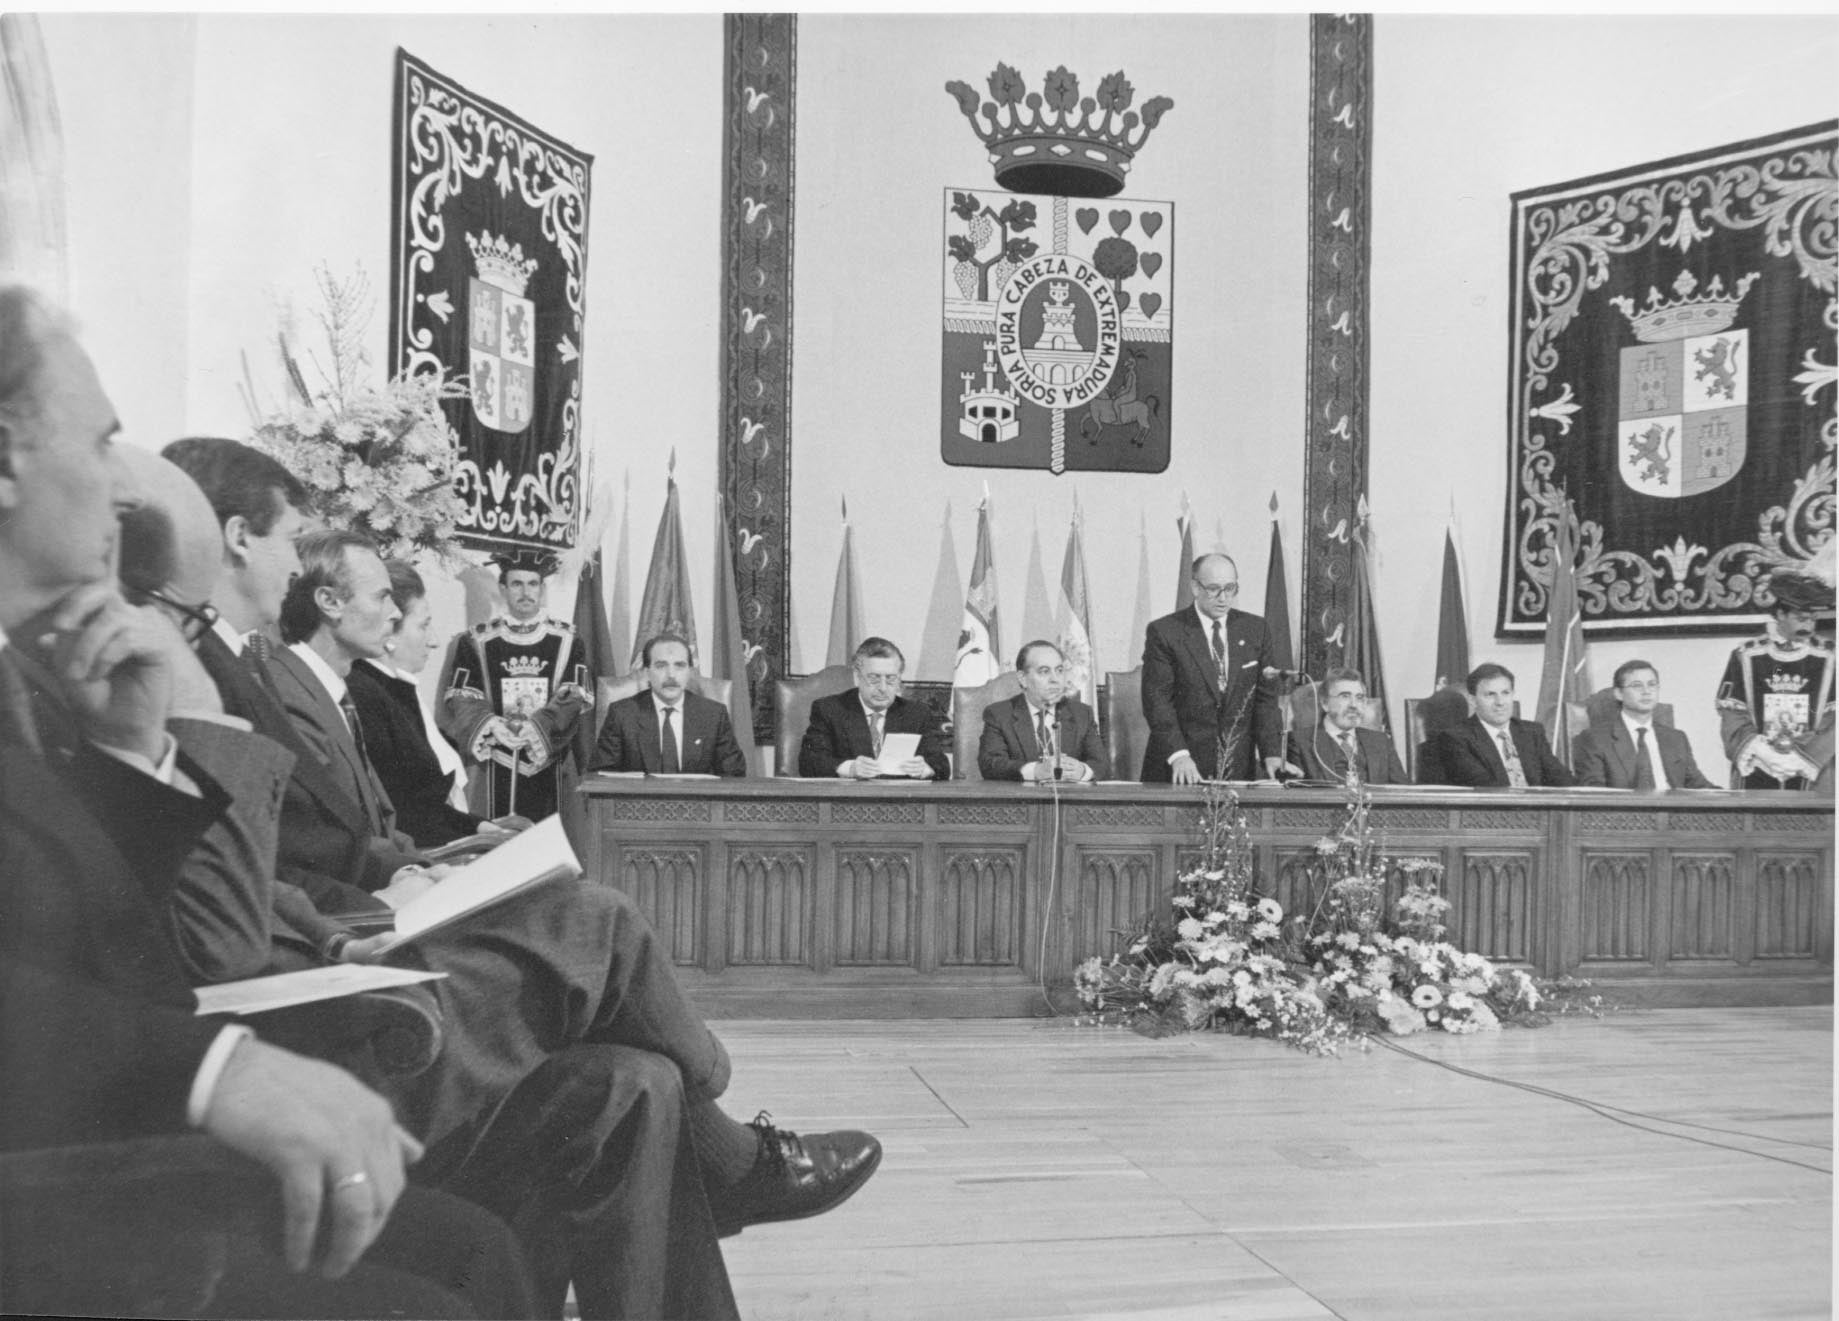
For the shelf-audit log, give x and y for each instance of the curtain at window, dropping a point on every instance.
(32, 233)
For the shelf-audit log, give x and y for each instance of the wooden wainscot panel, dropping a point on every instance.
(980, 908)
(761, 812)
(985, 814)
(1492, 904)
(1616, 906)
(1298, 881)
(873, 911)
(1502, 820)
(665, 883)
(660, 809)
(1116, 887)
(771, 905)
(910, 813)
(1704, 890)
(1790, 899)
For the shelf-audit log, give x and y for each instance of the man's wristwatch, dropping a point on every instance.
(334, 948)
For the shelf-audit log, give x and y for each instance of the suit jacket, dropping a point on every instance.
(1467, 754)
(397, 741)
(1008, 742)
(1186, 710)
(630, 737)
(321, 726)
(1323, 758)
(839, 732)
(1605, 755)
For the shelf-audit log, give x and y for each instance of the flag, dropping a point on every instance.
(1076, 632)
(619, 614)
(1277, 600)
(978, 643)
(729, 653)
(1184, 579)
(1361, 650)
(938, 650)
(1561, 680)
(1139, 621)
(593, 649)
(846, 624)
(1037, 605)
(665, 607)
(1452, 623)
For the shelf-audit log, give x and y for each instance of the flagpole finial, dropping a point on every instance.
(1273, 504)
(845, 503)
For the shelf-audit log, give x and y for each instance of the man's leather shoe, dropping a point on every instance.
(795, 1177)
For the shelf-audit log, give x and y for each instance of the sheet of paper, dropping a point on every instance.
(896, 748)
(257, 995)
(536, 854)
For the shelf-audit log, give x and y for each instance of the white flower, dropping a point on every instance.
(1183, 901)
(1430, 968)
(1237, 908)
(1242, 978)
(1270, 910)
(1348, 940)
(1265, 931)
(1426, 996)
(1190, 928)
(1215, 918)
(1461, 1000)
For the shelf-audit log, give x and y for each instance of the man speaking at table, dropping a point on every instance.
(665, 729)
(848, 729)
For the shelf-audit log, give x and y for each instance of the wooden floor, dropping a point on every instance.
(1036, 1169)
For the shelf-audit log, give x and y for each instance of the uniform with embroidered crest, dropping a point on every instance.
(1779, 691)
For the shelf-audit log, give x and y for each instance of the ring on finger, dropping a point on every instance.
(355, 1180)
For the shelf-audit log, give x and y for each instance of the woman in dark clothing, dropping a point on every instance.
(397, 735)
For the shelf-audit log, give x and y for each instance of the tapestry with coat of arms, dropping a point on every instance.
(488, 280)
(1675, 372)
(1057, 332)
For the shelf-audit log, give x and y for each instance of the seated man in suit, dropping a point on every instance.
(1041, 734)
(1632, 751)
(1491, 749)
(846, 730)
(1338, 748)
(666, 729)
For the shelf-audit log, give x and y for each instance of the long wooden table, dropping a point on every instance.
(802, 898)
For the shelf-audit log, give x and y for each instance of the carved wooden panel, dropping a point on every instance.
(769, 906)
(980, 908)
(1614, 906)
(1324, 820)
(984, 814)
(1117, 888)
(741, 813)
(1788, 902)
(1720, 821)
(1591, 821)
(1300, 881)
(1811, 822)
(878, 814)
(874, 907)
(1491, 904)
(660, 809)
(1703, 885)
(1485, 819)
(1411, 818)
(665, 884)
(1124, 817)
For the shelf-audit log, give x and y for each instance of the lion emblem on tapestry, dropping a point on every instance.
(1673, 373)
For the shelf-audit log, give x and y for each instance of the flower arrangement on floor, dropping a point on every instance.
(378, 459)
(1227, 959)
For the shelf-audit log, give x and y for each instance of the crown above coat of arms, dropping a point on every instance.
(1678, 318)
(524, 667)
(1054, 142)
(501, 263)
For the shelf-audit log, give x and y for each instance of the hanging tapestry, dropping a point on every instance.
(1673, 372)
(1058, 341)
(488, 280)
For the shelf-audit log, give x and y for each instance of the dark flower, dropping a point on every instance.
(1061, 90)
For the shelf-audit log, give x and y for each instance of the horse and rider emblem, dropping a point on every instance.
(1057, 332)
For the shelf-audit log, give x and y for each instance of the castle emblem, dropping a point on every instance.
(1683, 412)
(501, 334)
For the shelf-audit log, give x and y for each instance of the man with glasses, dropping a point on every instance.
(1211, 709)
(1041, 734)
(1775, 704)
(848, 729)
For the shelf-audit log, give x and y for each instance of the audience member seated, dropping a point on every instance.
(847, 728)
(1041, 734)
(666, 729)
(1775, 704)
(1632, 750)
(416, 764)
(1337, 747)
(1492, 749)
(98, 806)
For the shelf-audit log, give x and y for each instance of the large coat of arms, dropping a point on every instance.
(489, 281)
(1673, 375)
(1058, 307)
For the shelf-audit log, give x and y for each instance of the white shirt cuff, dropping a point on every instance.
(1177, 756)
(215, 718)
(161, 770)
(216, 1059)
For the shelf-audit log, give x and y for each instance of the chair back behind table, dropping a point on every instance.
(967, 706)
(794, 698)
(1601, 708)
(608, 691)
(1126, 727)
(1426, 716)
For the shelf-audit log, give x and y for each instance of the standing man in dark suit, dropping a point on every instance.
(1491, 749)
(1211, 708)
(1632, 751)
(666, 729)
(1339, 748)
(846, 730)
(1041, 734)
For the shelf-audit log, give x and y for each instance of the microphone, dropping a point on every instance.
(1272, 672)
(1052, 751)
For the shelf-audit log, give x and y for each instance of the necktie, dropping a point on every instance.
(1516, 775)
(1219, 652)
(1040, 731)
(16, 722)
(875, 730)
(1350, 748)
(365, 782)
(1644, 768)
(668, 761)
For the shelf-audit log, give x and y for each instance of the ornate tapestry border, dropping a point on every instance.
(1340, 266)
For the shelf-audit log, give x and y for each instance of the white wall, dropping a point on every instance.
(878, 141)
(1467, 111)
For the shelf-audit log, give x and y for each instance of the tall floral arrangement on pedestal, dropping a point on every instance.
(379, 459)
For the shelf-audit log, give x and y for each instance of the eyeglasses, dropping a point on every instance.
(878, 680)
(199, 619)
(1227, 589)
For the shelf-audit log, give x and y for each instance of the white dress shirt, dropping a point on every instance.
(1633, 727)
(676, 725)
